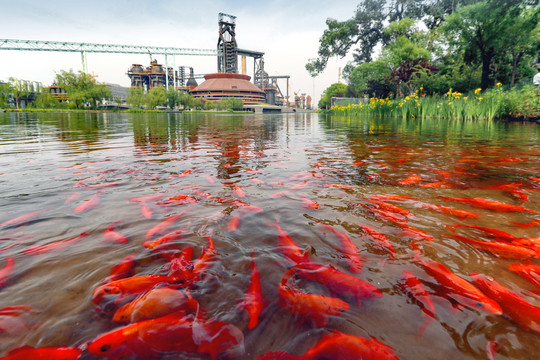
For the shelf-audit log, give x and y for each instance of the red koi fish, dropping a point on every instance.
(317, 308)
(288, 247)
(253, 301)
(339, 346)
(75, 196)
(391, 197)
(124, 288)
(492, 347)
(494, 233)
(122, 270)
(88, 204)
(412, 232)
(16, 320)
(339, 186)
(23, 219)
(529, 272)
(338, 282)
(146, 211)
(238, 191)
(165, 239)
(487, 204)
(389, 207)
(204, 262)
(42, 249)
(187, 172)
(526, 315)
(300, 185)
(180, 267)
(308, 203)
(458, 288)
(146, 198)
(463, 214)
(210, 179)
(156, 303)
(438, 185)
(442, 173)
(181, 199)
(410, 180)
(44, 353)
(386, 215)
(529, 224)
(149, 339)
(6, 272)
(159, 228)
(500, 249)
(414, 287)
(381, 241)
(113, 236)
(82, 182)
(534, 179)
(348, 248)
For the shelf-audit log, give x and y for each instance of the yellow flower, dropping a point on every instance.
(465, 98)
(477, 91)
(499, 84)
(480, 98)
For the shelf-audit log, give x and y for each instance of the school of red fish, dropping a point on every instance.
(152, 302)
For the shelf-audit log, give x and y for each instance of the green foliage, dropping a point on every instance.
(173, 98)
(135, 97)
(230, 104)
(5, 90)
(335, 90)
(45, 101)
(366, 77)
(208, 105)
(82, 90)
(156, 97)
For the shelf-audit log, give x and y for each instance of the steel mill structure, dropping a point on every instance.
(227, 82)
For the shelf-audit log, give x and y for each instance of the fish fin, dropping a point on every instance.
(423, 326)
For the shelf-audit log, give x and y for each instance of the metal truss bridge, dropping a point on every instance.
(84, 48)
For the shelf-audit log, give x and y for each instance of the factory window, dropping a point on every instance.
(234, 87)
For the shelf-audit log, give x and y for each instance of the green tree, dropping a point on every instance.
(366, 78)
(81, 88)
(365, 30)
(173, 98)
(208, 105)
(486, 31)
(19, 90)
(135, 97)
(46, 101)
(5, 91)
(334, 90)
(186, 99)
(156, 97)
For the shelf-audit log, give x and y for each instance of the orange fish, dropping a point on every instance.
(338, 282)
(165, 239)
(6, 272)
(159, 228)
(413, 232)
(156, 303)
(146, 211)
(204, 262)
(413, 286)
(311, 306)
(391, 197)
(253, 299)
(308, 203)
(348, 248)
(534, 179)
(529, 272)
(146, 198)
(181, 267)
(288, 247)
(123, 288)
(487, 204)
(494, 233)
(503, 250)
(529, 224)
(450, 211)
(339, 186)
(44, 353)
(526, 315)
(75, 196)
(238, 191)
(410, 180)
(381, 240)
(187, 172)
(16, 320)
(339, 346)
(442, 173)
(458, 288)
(181, 199)
(23, 219)
(88, 204)
(389, 207)
(123, 269)
(82, 182)
(175, 332)
(113, 236)
(438, 185)
(42, 249)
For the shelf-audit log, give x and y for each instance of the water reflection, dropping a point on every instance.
(241, 178)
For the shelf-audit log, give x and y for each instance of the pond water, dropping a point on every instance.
(98, 188)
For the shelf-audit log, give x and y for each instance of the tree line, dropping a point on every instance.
(400, 46)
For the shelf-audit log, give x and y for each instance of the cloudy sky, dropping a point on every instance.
(287, 31)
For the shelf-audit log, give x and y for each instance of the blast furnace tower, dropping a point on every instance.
(227, 46)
